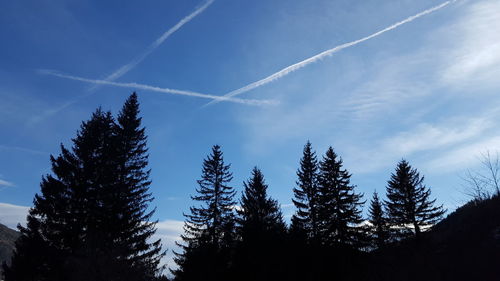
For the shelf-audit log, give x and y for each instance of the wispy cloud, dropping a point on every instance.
(169, 231)
(474, 57)
(464, 155)
(6, 183)
(11, 215)
(448, 143)
(294, 67)
(160, 90)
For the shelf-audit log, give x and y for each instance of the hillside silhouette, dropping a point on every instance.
(463, 246)
(7, 243)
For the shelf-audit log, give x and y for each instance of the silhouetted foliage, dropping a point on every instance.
(128, 203)
(90, 221)
(259, 215)
(379, 224)
(408, 204)
(339, 206)
(262, 230)
(305, 220)
(209, 228)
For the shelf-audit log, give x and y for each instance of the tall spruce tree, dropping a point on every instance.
(210, 226)
(339, 206)
(63, 218)
(380, 227)
(130, 199)
(305, 220)
(87, 210)
(261, 229)
(259, 214)
(408, 203)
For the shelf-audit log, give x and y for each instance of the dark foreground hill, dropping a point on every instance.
(7, 243)
(464, 246)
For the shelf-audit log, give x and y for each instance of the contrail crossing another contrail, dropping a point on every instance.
(158, 89)
(127, 67)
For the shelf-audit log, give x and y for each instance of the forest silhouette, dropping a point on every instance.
(92, 220)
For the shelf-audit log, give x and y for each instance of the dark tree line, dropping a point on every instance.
(92, 219)
(327, 239)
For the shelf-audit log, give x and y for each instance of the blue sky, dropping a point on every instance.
(426, 91)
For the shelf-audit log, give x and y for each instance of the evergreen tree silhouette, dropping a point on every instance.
(33, 258)
(129, 201)
(380, 227)
(90, 215)
(63, 218)
(305, 220)
(339, 206)
(262, 229)
(209, 227)
(259, 215)
(408, 202)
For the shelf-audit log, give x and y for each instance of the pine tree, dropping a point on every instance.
(261, 228)
(306, 195)
(380, 231)
(339, 210)
(208, 228)
(408, 204)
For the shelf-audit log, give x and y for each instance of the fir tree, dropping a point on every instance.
(380, 231)
(64, 217)
(339, 210)
(33, 259)
(261, 228)
(306, 195)
(90, 216)
(259, 215)
(408, 204)
(131, 197)
(209, 227)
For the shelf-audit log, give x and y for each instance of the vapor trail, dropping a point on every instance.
(287, 70)
(158, 89)
(22, 149)
(127, 67)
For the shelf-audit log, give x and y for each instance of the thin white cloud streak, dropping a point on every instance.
(6, 183)
(22, 149)
(294, 67)
(473, 57)
(132, 64)
(11, 215)
(463, 156)
(425, 141)
(129, 66)
(160, 90)
(169, 231)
